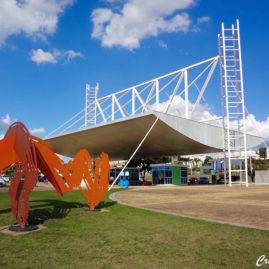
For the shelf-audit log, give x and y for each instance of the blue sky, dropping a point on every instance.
(50, 49)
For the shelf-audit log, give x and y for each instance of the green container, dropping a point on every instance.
(214, 179)
(176, 175)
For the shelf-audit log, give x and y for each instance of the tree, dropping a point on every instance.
(196, 162)
(263, 153)
(144, 164)
(207, 160)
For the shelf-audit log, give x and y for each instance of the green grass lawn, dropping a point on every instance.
(123, 237)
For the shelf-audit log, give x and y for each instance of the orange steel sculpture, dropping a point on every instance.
(28, 154)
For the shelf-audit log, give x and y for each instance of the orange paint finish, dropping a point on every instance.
(10, 156)
(28, 154)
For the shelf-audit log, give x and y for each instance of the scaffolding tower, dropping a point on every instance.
(90, 107)
(233, 105)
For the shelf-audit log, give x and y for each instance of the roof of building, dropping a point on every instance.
(172, 135)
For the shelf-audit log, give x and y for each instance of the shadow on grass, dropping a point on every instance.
(50, 209)
(103, 204)
(60, 209)
(4, 211)
(42, 210)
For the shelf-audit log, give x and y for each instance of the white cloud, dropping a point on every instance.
(203, 19)
(114, 1)
(40, 56)
(4, 123)
(138, 20)
(70, 55)
(162, 44)
(37, 18)
(260, 128)
(37, 131)
(203, 113)
(200, 20)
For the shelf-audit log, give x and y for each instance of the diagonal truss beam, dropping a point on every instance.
(119, 106)
(149, 96)
(140, 100)
(101, 111)
(204, 86)
(175, 91)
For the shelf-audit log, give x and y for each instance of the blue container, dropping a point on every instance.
(121, 183)
(126, 183)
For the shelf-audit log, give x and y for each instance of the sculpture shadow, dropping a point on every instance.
(56, 204)
(4, 211)
(50, 209)
(56, 209)
(42, 210)
(103, 204)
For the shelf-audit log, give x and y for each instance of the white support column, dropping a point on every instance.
(86, 104)
(186, 94)
(133, 102)
(138, 147)
(227, 105)
(157, 86)
(225, 168)
(90, 105)
(96, 95)
(243, 103)
(112, 108)
(223, 110)
(250, 163)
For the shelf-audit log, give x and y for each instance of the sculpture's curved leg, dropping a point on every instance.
(26, 172)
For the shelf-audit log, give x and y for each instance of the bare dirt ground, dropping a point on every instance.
(237, 205)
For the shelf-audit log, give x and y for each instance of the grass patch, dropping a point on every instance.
(123, 237)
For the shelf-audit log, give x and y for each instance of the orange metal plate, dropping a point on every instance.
(28, 154)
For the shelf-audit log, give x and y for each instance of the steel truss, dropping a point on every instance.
(233, 104)
(143, 97)
(158, 94)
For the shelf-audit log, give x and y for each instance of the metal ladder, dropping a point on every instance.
(90, 107)
(233, 106)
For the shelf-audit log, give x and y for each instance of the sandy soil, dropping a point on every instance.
(236, 205)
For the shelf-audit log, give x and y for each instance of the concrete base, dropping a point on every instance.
(95, 210)
(16, 230)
